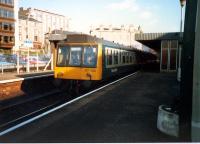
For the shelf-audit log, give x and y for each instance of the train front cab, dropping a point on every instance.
(79, 61)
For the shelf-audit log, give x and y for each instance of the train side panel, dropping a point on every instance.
(119, 68)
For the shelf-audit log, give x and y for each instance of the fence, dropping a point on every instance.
(25, 61)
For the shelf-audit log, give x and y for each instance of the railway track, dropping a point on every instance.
(29, 117)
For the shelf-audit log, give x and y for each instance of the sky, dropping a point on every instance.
(151, 15)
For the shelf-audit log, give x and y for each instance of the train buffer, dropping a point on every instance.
(123, 112)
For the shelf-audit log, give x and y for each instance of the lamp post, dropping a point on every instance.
(182, 3)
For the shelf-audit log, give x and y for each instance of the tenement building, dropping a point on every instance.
(38, 23)
(30, 29)
(7, 26)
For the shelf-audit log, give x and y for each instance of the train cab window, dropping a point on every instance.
(75, 56)
(63, 54)
(90, 57)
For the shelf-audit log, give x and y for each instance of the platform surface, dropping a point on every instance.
(10, 76)
(123, 112)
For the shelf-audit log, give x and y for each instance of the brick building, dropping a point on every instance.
(7, 25)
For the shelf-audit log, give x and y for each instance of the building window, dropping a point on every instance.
(6, 39)
(12, 27)
(5, 26)
(20, 29)
(1, 38)
(8, 2)
(12, 39)
(35, 38)
(1, 25)
(20, 37)
(6, 13)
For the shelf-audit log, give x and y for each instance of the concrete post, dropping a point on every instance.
(196, 83)
(187, 63)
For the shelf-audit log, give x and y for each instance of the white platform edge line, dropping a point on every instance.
(27, 78)
(59, 107)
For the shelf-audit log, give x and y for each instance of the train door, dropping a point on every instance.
(168, 55)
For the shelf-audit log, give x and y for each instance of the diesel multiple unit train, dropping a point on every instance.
(85, 59)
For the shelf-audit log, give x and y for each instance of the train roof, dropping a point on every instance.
(84, 38)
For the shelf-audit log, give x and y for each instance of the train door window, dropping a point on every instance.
(63, 56)
(75, 56)
(115, 57)
(90, 56)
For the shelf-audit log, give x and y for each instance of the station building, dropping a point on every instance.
(166, 45)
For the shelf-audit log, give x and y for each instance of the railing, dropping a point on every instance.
(18, 62)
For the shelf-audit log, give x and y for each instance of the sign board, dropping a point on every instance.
(28, 43)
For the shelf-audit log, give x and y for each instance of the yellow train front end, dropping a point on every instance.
(78, 61)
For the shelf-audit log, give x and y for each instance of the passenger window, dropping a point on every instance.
(127, 57)
(116, 57)
(120, 57)
(124, 58)
(109, 57)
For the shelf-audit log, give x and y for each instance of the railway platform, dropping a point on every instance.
(123, 112)
(13, 76)
(17, 88)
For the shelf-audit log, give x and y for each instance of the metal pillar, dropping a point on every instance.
(187, 60)
(196, 84)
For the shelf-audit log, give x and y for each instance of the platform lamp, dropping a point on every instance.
(182, 3)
